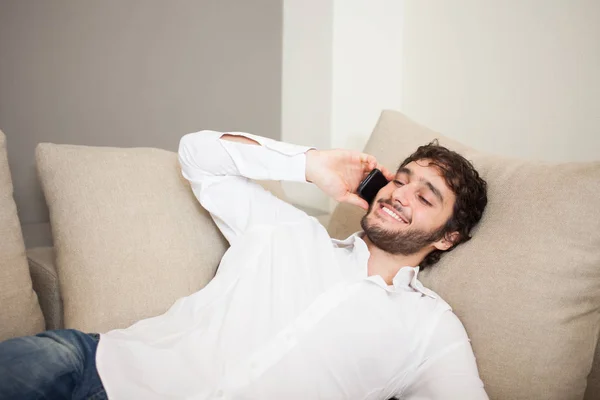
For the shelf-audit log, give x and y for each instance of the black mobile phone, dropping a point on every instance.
(369, 187)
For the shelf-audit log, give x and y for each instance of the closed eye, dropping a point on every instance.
(398, 183)
(424, 201)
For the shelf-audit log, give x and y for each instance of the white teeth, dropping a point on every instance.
(393, 214)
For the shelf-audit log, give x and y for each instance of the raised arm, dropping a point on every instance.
(220, 166)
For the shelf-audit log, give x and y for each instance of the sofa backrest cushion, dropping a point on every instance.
(527, 286)
(129, 235)
(20, 312)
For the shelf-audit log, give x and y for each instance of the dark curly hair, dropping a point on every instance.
(470, 190)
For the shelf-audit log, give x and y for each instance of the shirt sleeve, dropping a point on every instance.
(449, 370)
(220, 174)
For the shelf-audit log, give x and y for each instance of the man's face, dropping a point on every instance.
(409, 213)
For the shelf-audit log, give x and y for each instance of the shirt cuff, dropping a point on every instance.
(297, 171)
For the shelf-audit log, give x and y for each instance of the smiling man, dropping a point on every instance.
(430, 205)
(291, 312)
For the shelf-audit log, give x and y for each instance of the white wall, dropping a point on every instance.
(306, 72)
(514, 77)
(367, 67)
(306, 85)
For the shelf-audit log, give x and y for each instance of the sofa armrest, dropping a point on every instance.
(44, 277)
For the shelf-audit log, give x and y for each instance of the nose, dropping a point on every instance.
(401, 195)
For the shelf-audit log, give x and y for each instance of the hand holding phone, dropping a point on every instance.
(371, 185)
(338, 173)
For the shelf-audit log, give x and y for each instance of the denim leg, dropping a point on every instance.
(57, 364)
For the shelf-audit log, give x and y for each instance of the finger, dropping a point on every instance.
(368, 161)
(386, 172)
(353, 199)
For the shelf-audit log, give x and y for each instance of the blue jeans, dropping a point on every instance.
(57, 364)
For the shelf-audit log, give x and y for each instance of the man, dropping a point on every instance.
(291, 313)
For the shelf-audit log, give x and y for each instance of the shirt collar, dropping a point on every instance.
(406, 277)
(350, 240)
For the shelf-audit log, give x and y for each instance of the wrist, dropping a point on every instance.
(311, 156)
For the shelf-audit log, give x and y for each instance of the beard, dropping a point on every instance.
(407, 242)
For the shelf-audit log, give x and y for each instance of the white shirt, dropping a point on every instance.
(291, 313)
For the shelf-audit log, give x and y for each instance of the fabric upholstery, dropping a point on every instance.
(42, 267)
(45, 283)
(20, 312)
(527, 286)
(129, 235)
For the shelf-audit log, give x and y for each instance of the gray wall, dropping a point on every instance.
(131, 73)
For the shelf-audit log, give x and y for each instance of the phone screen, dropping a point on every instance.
(371, 185)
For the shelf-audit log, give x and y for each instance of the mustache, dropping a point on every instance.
(399, 209)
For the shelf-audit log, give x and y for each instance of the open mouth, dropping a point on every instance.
(391, 214)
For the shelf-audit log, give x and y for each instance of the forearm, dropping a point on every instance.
(336, 172)
(210, 153)
(310, 154)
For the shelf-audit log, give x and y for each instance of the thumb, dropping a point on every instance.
(354, 199)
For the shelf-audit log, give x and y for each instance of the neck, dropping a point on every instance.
(387, 265)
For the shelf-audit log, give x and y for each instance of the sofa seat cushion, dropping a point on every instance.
(527, 286)
(20, 312)
(44, 276)
(592, 392)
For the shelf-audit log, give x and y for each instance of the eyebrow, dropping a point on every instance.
(435, 190)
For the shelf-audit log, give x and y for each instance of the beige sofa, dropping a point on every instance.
(130, 238)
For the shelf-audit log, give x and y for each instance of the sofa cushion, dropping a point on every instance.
(527, 286)
(129, 235)
(20, 313)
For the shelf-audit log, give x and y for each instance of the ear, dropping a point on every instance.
(446, 242)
